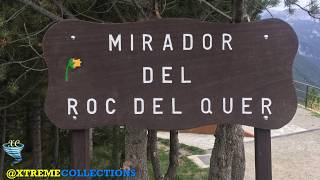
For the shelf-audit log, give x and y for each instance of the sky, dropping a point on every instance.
(281, 6)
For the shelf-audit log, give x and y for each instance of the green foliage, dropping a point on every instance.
(313, 99)
(13, 88)
(254, 7)
(315, 114)
(3, 73)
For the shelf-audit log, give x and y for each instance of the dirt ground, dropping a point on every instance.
(294, 157)
(295, 149)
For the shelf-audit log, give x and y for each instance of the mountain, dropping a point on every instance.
(307, 62)
(306, 70)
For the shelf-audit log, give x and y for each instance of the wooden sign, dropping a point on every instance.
(170, 74)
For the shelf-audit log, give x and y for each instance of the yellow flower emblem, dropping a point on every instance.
(72, 63)
(76, 63)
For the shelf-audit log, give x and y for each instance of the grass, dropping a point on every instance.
(101, 155)
(187, 170)
(313, 111)
(316, 114)
(191, 149)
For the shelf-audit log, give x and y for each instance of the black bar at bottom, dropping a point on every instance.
(262, 145)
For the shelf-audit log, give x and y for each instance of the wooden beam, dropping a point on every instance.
(80, 151)
(262, 144)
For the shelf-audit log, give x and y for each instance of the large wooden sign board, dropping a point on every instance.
(170, 74)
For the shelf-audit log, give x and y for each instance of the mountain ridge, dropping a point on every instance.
(306, 66)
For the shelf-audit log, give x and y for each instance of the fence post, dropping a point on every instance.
(306, 99)
(262, 146)
(80, 152)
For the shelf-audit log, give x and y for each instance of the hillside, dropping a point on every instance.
(307, 63)
(305, 69)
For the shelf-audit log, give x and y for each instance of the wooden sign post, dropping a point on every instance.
(80, 149)
(262, 146)
(171, 74)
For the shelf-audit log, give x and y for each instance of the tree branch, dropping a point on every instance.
(216, 9)
(156, 9)
(14, 15)
(23, 96)
(29, 41)
(32, 34)
(41, 10)
(19, 62)
(140, 9)
(122, 18)
(304, 9)
(64, 9)
(264, 7)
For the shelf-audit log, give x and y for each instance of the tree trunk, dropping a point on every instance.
(153, 153)
(3, 139)
(149, 141)
(228, 159)
(222, 153)
(237, 10)
(27, 123)
(173, 156)
(136, 139)
(238, 161)
(56, 146)
(136, 152)
(36, 135)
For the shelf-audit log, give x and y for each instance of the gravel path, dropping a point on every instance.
(303, 121)
(294, 157)
(295, 148)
